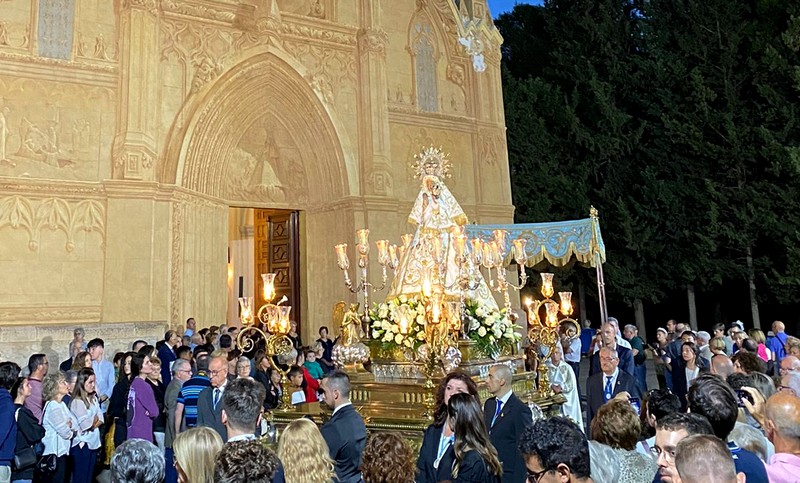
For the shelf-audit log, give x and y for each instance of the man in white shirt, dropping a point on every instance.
(241, 408)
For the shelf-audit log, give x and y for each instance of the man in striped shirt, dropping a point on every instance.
(186, 407)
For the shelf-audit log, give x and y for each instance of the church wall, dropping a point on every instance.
(124, 143)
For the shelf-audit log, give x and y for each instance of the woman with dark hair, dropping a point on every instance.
(438, 437)
(29, 431)
(475, 459)
(326, 359)
(686, 369)
(142, 407)
(86, 444)
(118, 404)
(387, 458)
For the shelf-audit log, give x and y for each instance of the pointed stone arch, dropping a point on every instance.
(203, 153)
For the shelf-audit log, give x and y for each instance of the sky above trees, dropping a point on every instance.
(501, 6)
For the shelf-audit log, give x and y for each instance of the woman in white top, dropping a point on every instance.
(86, 444)
(562, 381)
(59, 425)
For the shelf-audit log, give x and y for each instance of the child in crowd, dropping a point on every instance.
(296, 385)
(312, 365)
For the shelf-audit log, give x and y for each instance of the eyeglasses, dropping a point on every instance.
(669, 455)
(787, 389)
(535, 477)
(214, 373)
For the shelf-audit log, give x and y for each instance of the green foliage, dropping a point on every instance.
(677, 119)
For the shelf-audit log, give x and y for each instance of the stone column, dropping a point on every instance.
(374, 146)
(135, 149)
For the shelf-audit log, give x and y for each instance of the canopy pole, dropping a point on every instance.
(601, 289)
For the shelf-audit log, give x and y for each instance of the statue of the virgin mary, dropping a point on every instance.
(431, 256)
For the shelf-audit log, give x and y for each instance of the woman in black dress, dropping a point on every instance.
(436, 455)
(475, 459)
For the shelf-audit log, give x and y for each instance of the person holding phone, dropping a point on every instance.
(685, 370)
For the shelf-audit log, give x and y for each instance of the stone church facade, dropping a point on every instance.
(130, 128)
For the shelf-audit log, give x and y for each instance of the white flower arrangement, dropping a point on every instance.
(490, 329)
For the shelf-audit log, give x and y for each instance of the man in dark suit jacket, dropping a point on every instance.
(345, 432)
(209, 402)
(506, 418)
(610, 381)
(608, 336)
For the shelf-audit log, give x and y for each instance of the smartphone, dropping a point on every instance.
(635, 404)
(741, 395)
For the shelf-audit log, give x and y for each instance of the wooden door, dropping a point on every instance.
(277, 250)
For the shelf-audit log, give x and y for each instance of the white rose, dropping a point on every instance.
(403, 299)
(375, 334)
(407, 343)
(421, 336)
(420, 319)
(480, 312)
(497, 333)
(395, 328)
(482, 331)
(383, 312)
(398, 339)
(387, 337)
(385, 324)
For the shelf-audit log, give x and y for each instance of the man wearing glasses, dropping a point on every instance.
(790, 364)
(181, 372)
(209, 402)
(670, 430)
(555, 450)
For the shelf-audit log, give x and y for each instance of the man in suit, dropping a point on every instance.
(241, 408)
(344, 432)
(209, 402)
(608, 339)
(181, 372)
(608, 383)
(506, 418)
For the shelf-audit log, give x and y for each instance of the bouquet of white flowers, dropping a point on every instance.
(490, 329)
(385, 329)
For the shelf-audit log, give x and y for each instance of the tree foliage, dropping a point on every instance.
(678, 120)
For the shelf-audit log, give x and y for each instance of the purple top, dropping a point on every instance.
(142, 410)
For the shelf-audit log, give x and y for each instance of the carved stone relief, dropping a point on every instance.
(54, 130)
(55, 214)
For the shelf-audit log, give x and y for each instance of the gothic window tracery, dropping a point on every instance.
(423, 47)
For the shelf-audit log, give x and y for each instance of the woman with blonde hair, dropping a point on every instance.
(304, 454)
(758, 337)
(196, 450)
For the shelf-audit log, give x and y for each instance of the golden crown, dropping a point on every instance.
(431, 161)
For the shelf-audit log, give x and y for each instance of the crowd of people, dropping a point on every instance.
(189, 409)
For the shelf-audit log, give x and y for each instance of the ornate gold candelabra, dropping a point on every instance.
(275, 319)
(544, 327)
(387, 258)
(492, 256)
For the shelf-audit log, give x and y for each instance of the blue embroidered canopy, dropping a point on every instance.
(557, 242)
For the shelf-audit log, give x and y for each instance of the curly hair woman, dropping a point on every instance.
(438, 436)
(305, 454)
(387, 458)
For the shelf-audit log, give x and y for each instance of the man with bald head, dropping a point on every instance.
(776, 344)
(608, 340)
(608, 383)
(790, 364)
(783, 429)
(721, 365)
(506, 418)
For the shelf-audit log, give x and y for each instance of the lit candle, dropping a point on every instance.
(403, 318)
(552, 314)
(362, 236)
(488, 261)
(477, 250)
(436, 308)
(497, 253)
(284, 324)
(519, 251)
(427, 285)
(269, 285)
(566, 302)
(460, 243)
(393, 255)
(500, 239)
(341, 253)
(547, 284)
(383, 251)
(245, 310)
